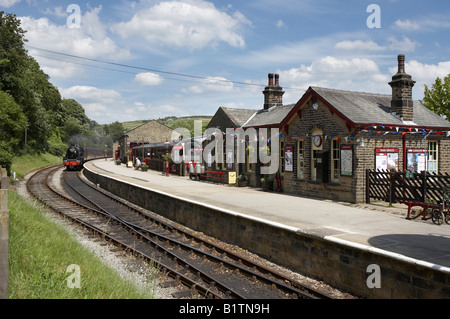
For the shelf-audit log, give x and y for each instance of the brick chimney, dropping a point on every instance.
(402, 84)
(273, 94)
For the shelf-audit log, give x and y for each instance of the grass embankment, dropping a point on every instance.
(27, 163)
(41, 252)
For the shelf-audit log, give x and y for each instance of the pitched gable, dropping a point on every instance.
(361, 109)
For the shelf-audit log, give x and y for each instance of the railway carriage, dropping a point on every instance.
(186, 156)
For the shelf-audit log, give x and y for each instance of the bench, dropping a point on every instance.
(215, 176)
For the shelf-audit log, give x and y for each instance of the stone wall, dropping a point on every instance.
(336, 262)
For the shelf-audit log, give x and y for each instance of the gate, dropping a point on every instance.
(391, 186)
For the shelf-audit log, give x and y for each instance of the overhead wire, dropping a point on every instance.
(192, 78)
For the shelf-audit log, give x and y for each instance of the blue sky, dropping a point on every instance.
(133, 60)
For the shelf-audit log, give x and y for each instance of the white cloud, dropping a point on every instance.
(90, 40)
(56, 11)
(96, 102)
(431, 22)
(407, 25)
(148, 79)
(281, 25)
(358, 45)
(149, 111)
(191, 24)
(292, 52)
(405, 44)
(424, 74)
(8, 3)
(211, 84)
(344, 74)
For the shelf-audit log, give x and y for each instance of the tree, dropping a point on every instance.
(437, 98)
(12, 120)
(12, 126)
(12, 53)
(114, 130)
(22, 78)
(74, 109)
(72, 127)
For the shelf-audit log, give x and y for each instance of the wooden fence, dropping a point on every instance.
(4, 234)
(391, 186)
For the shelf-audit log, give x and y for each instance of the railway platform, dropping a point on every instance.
(387, 232)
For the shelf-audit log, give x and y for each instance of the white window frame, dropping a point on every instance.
(301, 158)
(335, 160)
(433, 156)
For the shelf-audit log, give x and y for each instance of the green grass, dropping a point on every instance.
(40, 254)
(174, 123)
(26, 163)
(188, 123)
(41, 250)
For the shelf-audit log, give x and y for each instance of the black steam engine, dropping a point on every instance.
(74, 158)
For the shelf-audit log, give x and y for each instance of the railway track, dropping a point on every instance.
(204, 269)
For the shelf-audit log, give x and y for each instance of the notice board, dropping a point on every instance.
(416, 159)
(386, 159)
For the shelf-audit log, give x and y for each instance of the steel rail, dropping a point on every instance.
(171, 272)
(137, 230)
(294, 288)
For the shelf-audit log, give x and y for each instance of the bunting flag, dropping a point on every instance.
(397, 130)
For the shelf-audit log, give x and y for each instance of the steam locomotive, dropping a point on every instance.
(74, 158)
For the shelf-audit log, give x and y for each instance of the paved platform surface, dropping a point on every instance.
(389, 231)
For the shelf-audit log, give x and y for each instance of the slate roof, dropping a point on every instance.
(271, 117)
(150, 132)
(238, 116)
(369, 108)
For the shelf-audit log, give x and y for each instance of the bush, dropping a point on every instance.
(57, 148)
(6, 157)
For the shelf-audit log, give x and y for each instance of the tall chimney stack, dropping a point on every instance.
(273, 94)
(402, 84)
(270, 79)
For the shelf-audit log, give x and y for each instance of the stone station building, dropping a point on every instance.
(148, 133)
(330, 137)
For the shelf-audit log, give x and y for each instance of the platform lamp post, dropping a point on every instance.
(143, 151)
(166, 162)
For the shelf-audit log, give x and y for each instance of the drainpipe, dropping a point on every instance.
(404, 151)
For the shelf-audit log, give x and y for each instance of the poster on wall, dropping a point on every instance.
(288, 159)
(416, 160)
(346, 160)
(386, 159)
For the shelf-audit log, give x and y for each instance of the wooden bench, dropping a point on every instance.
(215, 176)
